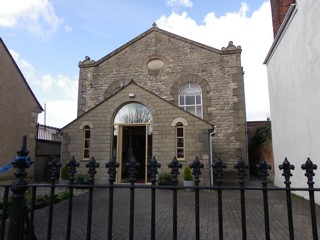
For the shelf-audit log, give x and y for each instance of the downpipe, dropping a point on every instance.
(211, 135)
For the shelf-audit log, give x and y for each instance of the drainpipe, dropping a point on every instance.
(211, 157)
(60, 135)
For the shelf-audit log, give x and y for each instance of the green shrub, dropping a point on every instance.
(65, 173)
(164, 179)
(262, 134)
(81, 179)
(63, 195)
(187, 176)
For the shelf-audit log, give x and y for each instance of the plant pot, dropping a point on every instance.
(188, 184)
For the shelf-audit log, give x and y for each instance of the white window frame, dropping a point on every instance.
(192, 90)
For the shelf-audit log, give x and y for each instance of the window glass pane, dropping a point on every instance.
(180, 153)
(179, 132)
(86, 153)
(199, 111)
(184, 88)
(190, 100)
(87, 133)
(180, 142)
(195, 87)
(191, 110)
(198, 99)
(181, 99)
(86, 143)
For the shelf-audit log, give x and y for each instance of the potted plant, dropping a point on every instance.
(187, 177)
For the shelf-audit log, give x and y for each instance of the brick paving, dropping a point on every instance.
(186, 216)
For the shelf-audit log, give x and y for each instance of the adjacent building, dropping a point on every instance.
(294, 87)
(159, 95)
(19, 112)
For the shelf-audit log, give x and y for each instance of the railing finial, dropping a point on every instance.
(54, 166)
(174, 165)
(112, 165)
(286, 167)
(309, 167)
(241, 166)
(263, 168)
(132, 166)
(219, 166)
(92, 165)
(196, 166)
(153, 166)
(72, 164)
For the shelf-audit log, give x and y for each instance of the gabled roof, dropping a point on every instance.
(228, 50)
(130, 83)
(20, 73)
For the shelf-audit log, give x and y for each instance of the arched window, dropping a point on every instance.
(180, 141)
(133, 113)
(86, 142)
(190, 98)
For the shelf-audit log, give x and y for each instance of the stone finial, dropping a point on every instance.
(154, 25)
(87, 60)
(230, 47)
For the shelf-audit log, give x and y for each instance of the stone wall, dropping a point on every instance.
(45, 152)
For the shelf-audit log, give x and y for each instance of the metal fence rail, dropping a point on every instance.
(21, 220)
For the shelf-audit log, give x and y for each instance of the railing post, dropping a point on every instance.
(196, 166)
(54, 166)
(92, 165)
(309, 167)
(287, 167)
(153, 166)
(72, 164)
(18, 188)
(175, 165)
(112, 165)
(132, 168)
(219, 166)
(263, 168)
(242, 167)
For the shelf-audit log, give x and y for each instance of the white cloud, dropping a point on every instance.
(254, 34)
(64, 85)
(26, 68)
(67, 29)
(58, 112)
(185, 3)
(37, 16)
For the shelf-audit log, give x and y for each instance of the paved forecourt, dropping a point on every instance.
(186, 215)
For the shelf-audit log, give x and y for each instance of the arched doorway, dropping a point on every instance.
(132, 137)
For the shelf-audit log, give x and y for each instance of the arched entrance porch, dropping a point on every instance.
(132, 137)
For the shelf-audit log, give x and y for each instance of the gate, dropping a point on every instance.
(20, 224)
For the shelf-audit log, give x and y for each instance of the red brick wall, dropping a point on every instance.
(279, 10)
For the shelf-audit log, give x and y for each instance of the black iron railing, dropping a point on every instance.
(21, 219)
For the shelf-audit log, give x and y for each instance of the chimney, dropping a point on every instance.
(279, 10)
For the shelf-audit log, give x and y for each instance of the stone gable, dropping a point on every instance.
(161, 62)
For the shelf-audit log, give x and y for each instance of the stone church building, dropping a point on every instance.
(159, 95)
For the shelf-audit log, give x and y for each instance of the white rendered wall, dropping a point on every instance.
(294, 91)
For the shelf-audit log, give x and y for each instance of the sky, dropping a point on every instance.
(48, 38)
